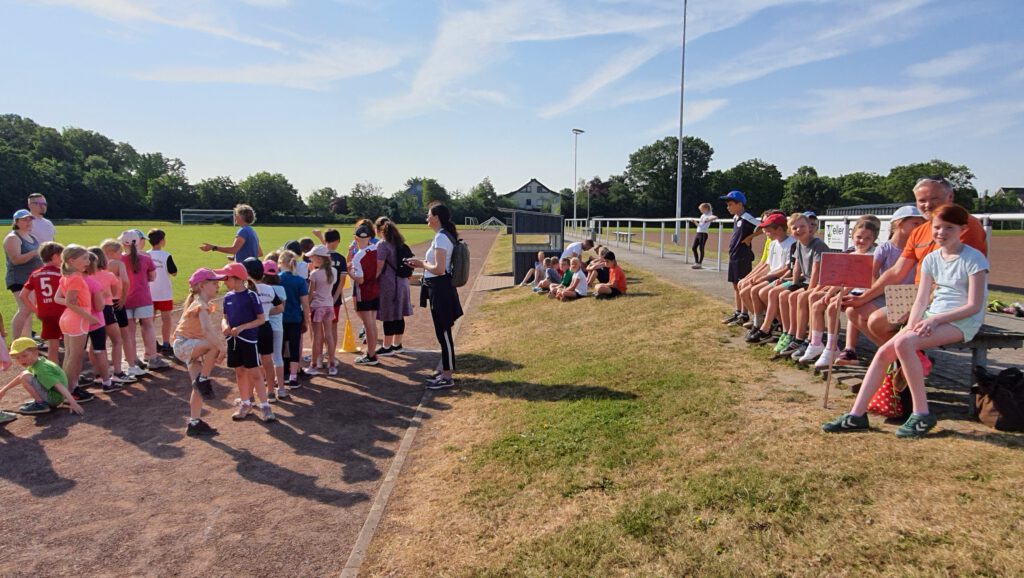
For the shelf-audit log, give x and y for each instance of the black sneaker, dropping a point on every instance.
(743, 318)
(732, 318)
(441, 383)
(385, 351)
(800, 351)
(396, 349)
(271, 395)
(84, 381)
(82, 396)
(846, 423)
(204, 387)
(294, 384)
(200, 428)
(757, 336)
(112, 386)
(122, 377)
(367, 360)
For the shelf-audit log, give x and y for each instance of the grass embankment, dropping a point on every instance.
(634, 437)
(183, 243)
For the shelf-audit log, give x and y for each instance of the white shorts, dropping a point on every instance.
(144, 312)
(183, 347)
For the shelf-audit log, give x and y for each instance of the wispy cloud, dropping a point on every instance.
(972, 59)
(834, 110)
(694, 112)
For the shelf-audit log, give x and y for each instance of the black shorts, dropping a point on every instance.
(265, 340)
(603, 275)
(108, 315)
(242, 353)
(291, 348)
(121, 316)
(98, 339)
(740, 267)
(371, 305)
(16, 288)
(615, 291)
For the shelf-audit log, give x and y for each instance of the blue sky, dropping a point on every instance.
(335, 92)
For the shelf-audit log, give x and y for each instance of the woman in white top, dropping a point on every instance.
(438, 290)
(703, 226)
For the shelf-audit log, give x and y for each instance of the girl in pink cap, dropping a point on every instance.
(198, 343)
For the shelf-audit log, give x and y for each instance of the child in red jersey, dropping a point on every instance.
(37, 295)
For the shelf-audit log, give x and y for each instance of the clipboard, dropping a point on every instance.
(899, 300)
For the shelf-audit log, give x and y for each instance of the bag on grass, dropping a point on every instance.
(1000, 398)
(889, 401)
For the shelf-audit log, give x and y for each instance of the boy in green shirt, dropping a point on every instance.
(43, 379)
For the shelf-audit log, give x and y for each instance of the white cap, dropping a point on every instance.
(905, 212)
(319, 251)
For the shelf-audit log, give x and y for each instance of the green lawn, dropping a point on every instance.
(183, 243)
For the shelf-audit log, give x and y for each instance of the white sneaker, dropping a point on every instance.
(157, 363)
(314, 371)
(135, 371)
(812, 353)
(332, 370)
(826, 359)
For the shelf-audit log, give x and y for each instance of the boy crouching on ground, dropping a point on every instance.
(43, 379)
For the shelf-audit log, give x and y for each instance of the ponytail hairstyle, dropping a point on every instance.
(250, 284)
(101, 257)
(90, 269)
(70, 252)
(286, 260)
(369, 225)
(444, 215)
(327, 266)
(130, 239)
(388, 231)
(193, 294)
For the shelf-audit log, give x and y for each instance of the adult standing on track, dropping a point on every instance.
(21, 251)
(246, 243)
(42, 228)
(438, 290)
(395, 303)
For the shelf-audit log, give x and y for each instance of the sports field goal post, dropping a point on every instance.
(201, 216)
(471, 221)
(493, 224)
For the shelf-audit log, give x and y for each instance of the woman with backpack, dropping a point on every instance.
(439, 291)
(393, 278)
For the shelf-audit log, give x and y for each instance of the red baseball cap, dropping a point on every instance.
(774, 219)
(234, 270)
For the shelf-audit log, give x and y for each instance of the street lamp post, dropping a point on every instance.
(576, 132)
(679, 152)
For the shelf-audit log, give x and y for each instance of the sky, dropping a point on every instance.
(336, 92)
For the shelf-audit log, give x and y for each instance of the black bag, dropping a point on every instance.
(402, 270)
(1000, 398)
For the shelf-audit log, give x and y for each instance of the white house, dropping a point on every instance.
(534, 196)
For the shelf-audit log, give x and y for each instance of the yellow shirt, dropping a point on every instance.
(764, 254)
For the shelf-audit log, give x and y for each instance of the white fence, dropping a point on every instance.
(621, 232)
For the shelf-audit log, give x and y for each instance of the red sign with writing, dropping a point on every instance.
(846, 270)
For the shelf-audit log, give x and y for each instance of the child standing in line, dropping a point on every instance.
(199, 346)
(112, 289)
(243, 315)
(953, 313)
(43, 379)
(703, 227)
(160, 287)
(38, 294)
(578, 286)
(363, 271)
(138, 304)
(332, 239)
(321, 289)
(73, 292)
(270, 277)
(97, 346)
(741, 256)
(296, 314)
(269, 301)
(112, 251)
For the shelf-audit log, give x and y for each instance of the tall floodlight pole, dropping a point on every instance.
(679, 153)
(576, 132)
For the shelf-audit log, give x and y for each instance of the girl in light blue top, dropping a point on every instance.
(958, 274)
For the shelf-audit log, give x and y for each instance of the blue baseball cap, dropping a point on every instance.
(21, 214)
(810, 215)
(735, 196)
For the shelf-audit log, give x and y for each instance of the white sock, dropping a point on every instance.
(816, 337)
(830, 343)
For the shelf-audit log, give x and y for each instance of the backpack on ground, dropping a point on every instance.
(402, 270)
(1000, 398)
(459, 268)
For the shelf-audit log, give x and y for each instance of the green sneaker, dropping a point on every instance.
(916, 426)
(846, 423)
(784, 341)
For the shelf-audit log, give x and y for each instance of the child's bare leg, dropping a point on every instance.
(165, 326)
(318, 338)
(53, 350)
(244, 385)
(259, 384)
(116, 347)
(128, 338)
(148, 337)
(332, 344)
(74, 350)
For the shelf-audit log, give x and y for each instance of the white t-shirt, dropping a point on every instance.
(581, 287)
(276, 323)
(951, 281)
(266, 295)
(160, 287)
(443, 242)
(778, 253)
(43, 229)
(704, 223)
(301, 269)
(573, 250)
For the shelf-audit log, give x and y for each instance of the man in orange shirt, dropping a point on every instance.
(930, 193)
(616, 284)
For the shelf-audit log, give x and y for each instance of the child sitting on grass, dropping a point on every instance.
(551, 275)
(597, 269)
(577, 286)
(563, 266)
(43, 379)
(616, 284)
(535, 274)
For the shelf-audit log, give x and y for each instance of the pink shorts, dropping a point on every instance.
(321, 314)
(73, 324)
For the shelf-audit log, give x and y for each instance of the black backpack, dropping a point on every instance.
(404, 271)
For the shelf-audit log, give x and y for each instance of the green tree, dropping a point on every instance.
(898, 185)
(432, 190)
(760, 181)
(651, 174)
(216, 193)
(367, 201)
(168, 194)
(320, 201)
(806, 191)
(270, 193)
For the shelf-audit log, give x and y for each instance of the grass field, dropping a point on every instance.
(183, 243)
(635, 437)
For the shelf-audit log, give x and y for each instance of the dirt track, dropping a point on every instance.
(121, 491)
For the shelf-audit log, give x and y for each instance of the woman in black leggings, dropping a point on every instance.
(703, 226)
(438, 291)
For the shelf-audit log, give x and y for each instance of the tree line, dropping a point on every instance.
(85, 174)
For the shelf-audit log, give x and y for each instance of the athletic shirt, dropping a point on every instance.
(190, 326)
(43, 229)
(276, 324)
(110, 284)
(322, 295)
(295, 288)
(704, 223)
(138, 281)
(778, 255)
(444, 242)
(808, 255)
(241, 307)
(250, 246)
(340, 268)
(95, 287)
(44, 282)
(267, 297)
(364, 265)
(160, 288)
(743, 226)
(18, 274)
(581, 288)
(77, 283)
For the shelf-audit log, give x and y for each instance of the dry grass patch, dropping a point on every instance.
(624, 438)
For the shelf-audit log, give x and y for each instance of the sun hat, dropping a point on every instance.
(202, 275)
(22, 344)
(774, 219)
(234, 270)
(319, 251)
(905, 213)
(737, 196)
(22, 213)
(130, 237)
(270, 267)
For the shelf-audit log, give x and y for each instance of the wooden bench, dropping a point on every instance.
(988, 337)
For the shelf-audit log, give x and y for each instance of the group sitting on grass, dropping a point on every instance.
(570, 277)
(87, 296)
(935, 244)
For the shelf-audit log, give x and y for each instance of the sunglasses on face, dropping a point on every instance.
(40, 203)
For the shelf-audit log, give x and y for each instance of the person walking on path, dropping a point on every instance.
(438, 291)
(42, 228)
(21, 251)
(395, 302)
(246, 243)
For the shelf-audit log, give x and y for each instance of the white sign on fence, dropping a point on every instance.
(837, 231)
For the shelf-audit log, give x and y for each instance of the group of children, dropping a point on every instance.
(87, 296)
(570, 277)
